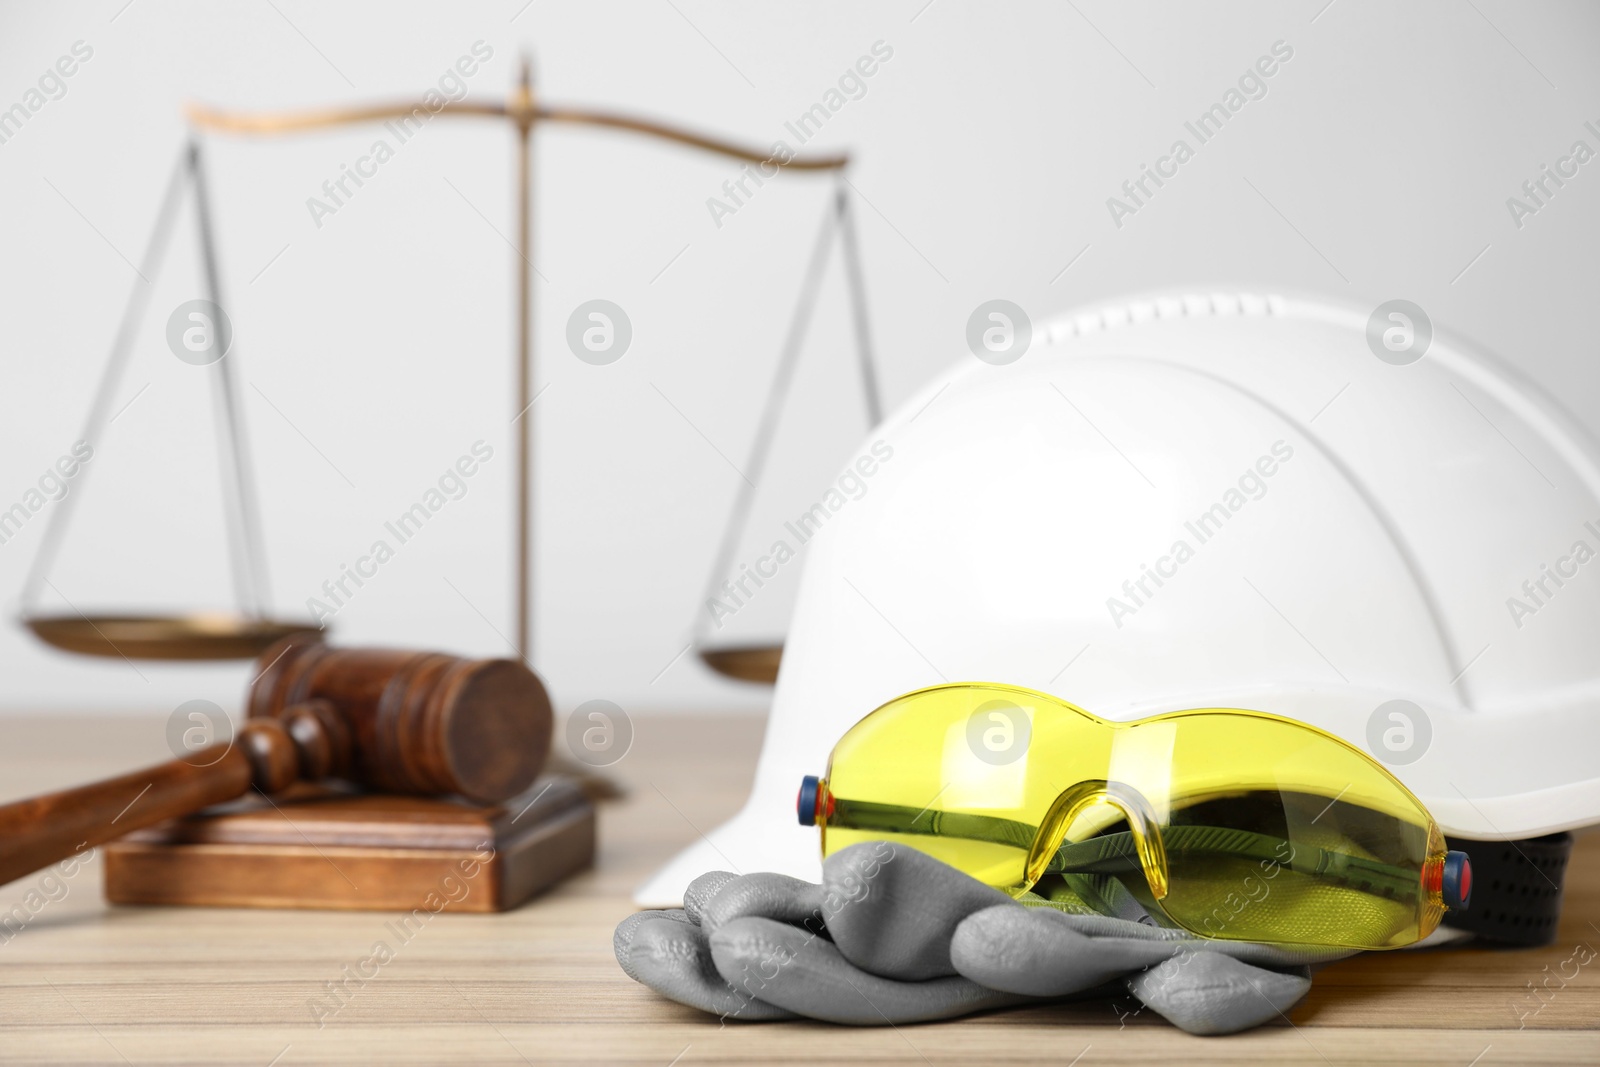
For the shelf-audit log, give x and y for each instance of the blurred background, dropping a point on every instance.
(373, 342)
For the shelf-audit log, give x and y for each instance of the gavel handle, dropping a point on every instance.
(36, 833)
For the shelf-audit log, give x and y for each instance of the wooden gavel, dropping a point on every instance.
(390, 721)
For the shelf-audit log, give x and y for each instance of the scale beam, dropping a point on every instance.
(282, 122)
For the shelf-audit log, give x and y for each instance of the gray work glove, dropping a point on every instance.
(894, 936)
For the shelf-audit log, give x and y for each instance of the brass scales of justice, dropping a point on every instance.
(250, 629)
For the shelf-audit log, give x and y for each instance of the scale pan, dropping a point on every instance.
(171, 637)
(748, 663)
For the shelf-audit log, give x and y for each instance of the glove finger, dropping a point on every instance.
(767, 895)
(702, 890)
(1034, 951)
(1209, 993)
(806, 974)
(892, 910)
(622, 937)
(672, 956)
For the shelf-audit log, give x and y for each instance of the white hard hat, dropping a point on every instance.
(1217, 501)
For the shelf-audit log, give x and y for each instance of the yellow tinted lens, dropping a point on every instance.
(1276, 832)
(956, 772)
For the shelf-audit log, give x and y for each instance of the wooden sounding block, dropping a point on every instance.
(322, 848)
(412, 723)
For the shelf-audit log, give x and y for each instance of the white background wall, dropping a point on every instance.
(374, 350)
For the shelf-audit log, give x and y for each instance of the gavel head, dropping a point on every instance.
(413, 722)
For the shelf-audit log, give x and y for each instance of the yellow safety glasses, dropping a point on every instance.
(1229, 824)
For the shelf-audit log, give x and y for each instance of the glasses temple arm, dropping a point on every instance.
(1116, 853)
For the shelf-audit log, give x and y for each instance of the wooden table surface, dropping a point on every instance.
(85, 983)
